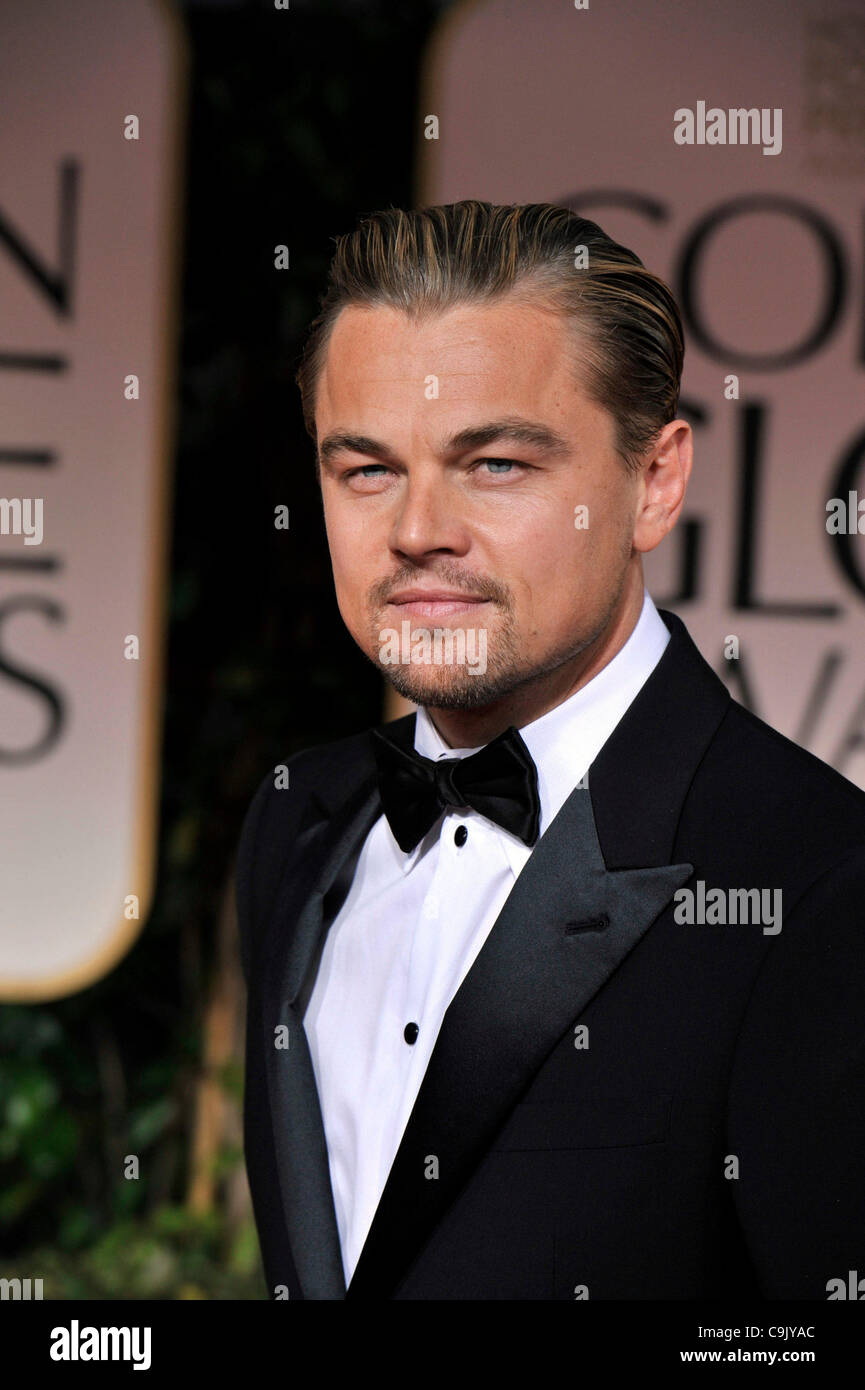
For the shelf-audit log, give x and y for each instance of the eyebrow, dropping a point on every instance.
(513, 430)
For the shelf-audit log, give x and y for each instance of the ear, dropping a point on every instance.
(663, 483)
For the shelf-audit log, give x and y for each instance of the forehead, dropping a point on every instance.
(381, 358)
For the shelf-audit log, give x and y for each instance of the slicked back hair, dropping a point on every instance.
(628, 330)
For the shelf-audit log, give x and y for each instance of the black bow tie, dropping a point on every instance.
(500, 781)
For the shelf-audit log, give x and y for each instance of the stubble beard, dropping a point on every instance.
(454, 687)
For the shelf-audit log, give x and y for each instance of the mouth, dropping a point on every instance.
(433, 603)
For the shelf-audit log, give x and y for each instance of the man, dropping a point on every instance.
(555, 986)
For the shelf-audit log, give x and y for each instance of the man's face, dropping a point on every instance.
(424, 488)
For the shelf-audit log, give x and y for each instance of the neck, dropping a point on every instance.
(472, 728)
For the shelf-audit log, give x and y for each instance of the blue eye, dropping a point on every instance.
(501, 463)
(363, 468)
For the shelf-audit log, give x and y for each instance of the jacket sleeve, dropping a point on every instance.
(260, 854)
(245, 869)
(796, 1117)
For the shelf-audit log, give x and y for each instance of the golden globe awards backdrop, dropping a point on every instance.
(89, 144)
(725, 144)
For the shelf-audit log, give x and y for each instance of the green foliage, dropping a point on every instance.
(169, 1255)
(38, 1139)
(61, 1147)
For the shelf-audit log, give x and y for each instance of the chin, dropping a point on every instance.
(469, 692)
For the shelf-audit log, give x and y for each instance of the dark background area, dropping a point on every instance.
(297, 125)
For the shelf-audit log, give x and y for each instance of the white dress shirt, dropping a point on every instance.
(411, 927)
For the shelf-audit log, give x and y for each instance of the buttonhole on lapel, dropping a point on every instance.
(588, 924)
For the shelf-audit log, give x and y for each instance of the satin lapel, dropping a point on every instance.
(319, 852)
(566, 925)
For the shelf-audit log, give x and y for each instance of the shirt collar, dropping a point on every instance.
(565, 741)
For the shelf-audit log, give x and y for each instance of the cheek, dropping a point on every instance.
(354, 569)
(346, 581)
(601, 545)
(339, 541)
(565, 571)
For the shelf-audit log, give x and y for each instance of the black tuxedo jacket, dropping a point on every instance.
(621, 1105)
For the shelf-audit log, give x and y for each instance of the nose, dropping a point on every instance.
(427, 519)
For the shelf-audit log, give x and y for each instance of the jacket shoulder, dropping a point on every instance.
(776, 760)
